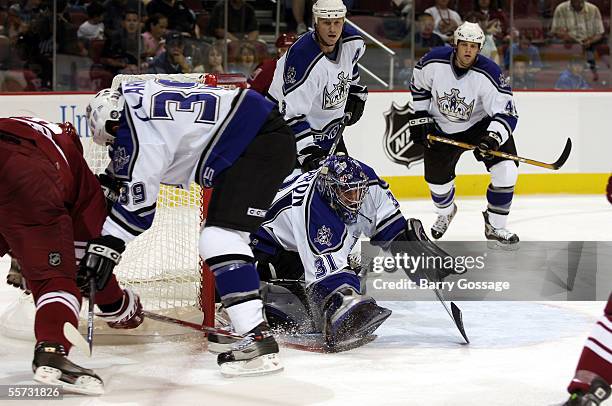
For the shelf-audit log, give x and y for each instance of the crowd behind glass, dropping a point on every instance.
(74, 45)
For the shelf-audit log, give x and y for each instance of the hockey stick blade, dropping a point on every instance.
(190, 325)
(459, 321)
(75, 338)
(454, 313)
(564, 155)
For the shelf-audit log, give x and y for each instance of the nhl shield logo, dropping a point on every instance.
(55, 259)
(396, 141)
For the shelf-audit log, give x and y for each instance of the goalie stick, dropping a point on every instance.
(554, 166)
(454, 313)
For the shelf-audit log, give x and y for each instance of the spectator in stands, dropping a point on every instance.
(121, 50)
(524, 48)
(261, 77)
(247, 60)
(426, 38)
(14, 26)
(213, 63)
(578, 21)
(155, 30)
(115, 13)
(446, 20)
(173, 59)
(521, 78)
(242, 23)
(492, 11)
(405, 73)
(93, 28)
(180, 17)
(572, 78)
(298, 9)
(28, 10)
(8, 58)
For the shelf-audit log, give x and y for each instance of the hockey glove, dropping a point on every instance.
(110, 187)
(488, 142)
(311, 158)
(15, 277)
(421, 124)
(101, 256)
(355, 103)
(609, 190)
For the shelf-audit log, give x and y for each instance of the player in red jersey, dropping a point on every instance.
(591, 383)
(262, 76)
(51, 204)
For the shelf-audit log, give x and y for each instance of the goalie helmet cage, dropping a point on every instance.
(162, 265)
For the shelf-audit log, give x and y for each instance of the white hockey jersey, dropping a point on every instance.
(175, 133)
(300, 220)
(457, 102)
(311, 88)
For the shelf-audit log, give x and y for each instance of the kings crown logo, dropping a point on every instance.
(335, 99)
(454, 107)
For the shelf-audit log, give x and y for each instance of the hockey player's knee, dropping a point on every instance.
(219, 242)
(441, 189)
(66, 286)
(321, 291)
(504, 174)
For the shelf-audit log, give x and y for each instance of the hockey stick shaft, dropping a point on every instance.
(554, 166)
(343, 122)
(90, 313)
(190, 325)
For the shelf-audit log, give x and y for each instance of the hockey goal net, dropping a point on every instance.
(162, 265)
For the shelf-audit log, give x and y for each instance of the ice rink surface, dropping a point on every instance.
(522, 353)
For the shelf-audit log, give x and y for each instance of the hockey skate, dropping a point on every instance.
(218, 343)
(255, 354)
(442, 223)
(52, 367)
(128, 316)
(597, 393)
(499, 238)
(350, 318)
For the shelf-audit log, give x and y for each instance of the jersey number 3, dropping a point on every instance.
(189, 102)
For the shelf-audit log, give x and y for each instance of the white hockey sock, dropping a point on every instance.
(246, 316)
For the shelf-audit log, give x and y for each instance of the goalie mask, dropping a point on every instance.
(344, 185)
(102, 113)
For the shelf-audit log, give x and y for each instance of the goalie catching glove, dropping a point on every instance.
(101, 256)
(355, 104)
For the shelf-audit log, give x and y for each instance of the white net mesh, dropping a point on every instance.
(162, 264)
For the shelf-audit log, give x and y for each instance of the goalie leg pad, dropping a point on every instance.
(286, 310)
(349, 317)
